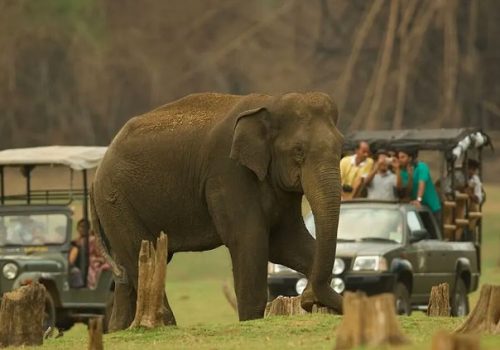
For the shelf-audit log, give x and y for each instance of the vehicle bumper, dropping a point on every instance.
(368, 283)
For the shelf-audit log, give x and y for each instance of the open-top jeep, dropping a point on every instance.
(400, 248)
(36, 226)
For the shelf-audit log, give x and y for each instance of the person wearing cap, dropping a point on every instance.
(354, 169)
(417, 175)
(381, 183)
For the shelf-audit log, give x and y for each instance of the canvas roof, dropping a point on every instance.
(423, 139)
(75, 157)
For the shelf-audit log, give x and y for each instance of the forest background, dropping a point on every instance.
(74, 71)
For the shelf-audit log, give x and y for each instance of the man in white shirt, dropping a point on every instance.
(381, 183)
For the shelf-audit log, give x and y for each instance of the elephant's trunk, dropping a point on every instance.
(321, 183)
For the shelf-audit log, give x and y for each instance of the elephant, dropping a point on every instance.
(216, 169)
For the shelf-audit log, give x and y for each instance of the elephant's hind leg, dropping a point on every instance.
(125, 231)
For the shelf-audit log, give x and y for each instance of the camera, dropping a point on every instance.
(389, 160)
(347, 188)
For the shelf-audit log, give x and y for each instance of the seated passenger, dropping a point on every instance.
(353, 170)
(76, 278)
(416, 175)
(97, 263)
(381, 183)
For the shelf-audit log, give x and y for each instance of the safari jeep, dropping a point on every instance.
(398, 248)
(36, 231)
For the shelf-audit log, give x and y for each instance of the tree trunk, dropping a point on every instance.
(284, 306)
(368, 322)
(21, 316)
(439, 302)
(95, 334)
(150, 311)
(485, 318)
(446, 341)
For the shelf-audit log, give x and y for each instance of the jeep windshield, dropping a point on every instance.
(32, 230)
(365, 224)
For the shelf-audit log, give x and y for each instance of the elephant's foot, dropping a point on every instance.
(308, 300)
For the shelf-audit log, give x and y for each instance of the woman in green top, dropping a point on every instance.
(422, 191)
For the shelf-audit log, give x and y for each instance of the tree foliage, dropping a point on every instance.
(73, 71)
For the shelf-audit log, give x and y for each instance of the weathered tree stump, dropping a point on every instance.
(150, 311)
(485, 318)
(21, 316)
(439, 302)
(446, 341)
(284, 306)
(368, 322)
(95, 334)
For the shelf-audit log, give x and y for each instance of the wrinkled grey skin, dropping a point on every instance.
(213, 169)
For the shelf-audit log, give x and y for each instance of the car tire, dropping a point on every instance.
(49, 313)
(402, 299)
(460, 299)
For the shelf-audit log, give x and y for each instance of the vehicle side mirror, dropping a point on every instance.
(418, 235)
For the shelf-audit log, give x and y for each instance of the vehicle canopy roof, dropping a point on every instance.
(421, 139)
(75, 157)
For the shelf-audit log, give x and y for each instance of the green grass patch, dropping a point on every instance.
(206, 321)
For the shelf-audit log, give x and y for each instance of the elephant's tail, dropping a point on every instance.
(102, 241)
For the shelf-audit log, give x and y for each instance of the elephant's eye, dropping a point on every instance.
(298, 153)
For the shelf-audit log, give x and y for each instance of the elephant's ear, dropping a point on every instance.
(250, 141)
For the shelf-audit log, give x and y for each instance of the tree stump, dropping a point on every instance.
(368, 322)
(446, 341)
(485, 318)
(284, 306)
(439, 302)
(150, 311)
(95, 334)
(21, 316)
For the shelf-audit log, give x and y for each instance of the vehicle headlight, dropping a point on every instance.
(301, 285)
(10, 270)
(338, 266)
(370, 263)
(337, 284)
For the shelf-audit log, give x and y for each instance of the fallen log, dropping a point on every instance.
(368, 321)
(150, 310)
(485, 318)
(21, 316)
(439, 302)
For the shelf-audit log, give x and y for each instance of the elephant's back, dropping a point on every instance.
(193, 112)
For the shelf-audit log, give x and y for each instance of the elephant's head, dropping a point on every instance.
(294, 141)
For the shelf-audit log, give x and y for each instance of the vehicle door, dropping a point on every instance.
(419, 253)
(441, 257)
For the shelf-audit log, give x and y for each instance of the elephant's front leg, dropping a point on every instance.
(243, 229)
(249, 258)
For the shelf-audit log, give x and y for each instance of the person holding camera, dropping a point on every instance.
(382, 183)
(354, 169)
(417, 176)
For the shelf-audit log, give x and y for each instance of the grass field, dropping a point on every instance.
(206, 321)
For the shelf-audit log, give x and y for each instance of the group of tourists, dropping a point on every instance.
(397, 175)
